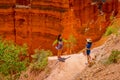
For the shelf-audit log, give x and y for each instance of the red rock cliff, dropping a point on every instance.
(39, 23)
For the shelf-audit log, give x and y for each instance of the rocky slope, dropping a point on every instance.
(100, 71)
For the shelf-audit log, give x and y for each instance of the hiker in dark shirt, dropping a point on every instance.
(88, 49)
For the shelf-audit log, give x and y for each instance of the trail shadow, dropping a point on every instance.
(63, 59)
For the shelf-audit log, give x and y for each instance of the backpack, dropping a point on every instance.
(89, 44)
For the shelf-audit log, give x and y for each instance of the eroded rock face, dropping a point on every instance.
(39, 24)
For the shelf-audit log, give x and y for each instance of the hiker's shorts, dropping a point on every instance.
(59, 46)
(88, 51)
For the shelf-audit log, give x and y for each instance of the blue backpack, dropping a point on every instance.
(89, 45)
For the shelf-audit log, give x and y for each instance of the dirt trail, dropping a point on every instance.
(67, 70)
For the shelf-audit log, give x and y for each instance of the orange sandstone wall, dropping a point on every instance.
(39, 25)
(91, 23)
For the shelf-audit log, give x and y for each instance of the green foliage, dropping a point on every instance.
(10, 63)
(71, 40)
(40, 59)
(114, 57)
(111, 30)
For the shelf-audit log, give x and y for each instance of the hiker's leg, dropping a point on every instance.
(88, 55)
(59, 53)
(88, 58)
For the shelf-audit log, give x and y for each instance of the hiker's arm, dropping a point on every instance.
(65, 40)
(55, 42)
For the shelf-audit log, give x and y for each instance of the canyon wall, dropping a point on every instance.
(91, 23)
(39, 23)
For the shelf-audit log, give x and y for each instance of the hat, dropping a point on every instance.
(89, 40)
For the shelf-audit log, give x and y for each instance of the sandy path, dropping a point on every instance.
(69, 69)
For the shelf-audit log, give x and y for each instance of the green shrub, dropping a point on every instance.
(71, 42)
(11, 65)
(114, 57)
(40, 59)
(111, 30)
